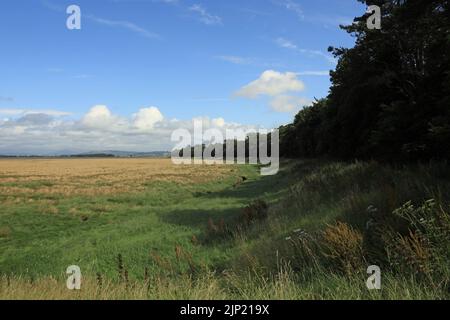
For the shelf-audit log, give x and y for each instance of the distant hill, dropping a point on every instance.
(94, 154)
(123, 154)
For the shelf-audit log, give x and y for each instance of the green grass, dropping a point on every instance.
(134, 225)
(165, 230)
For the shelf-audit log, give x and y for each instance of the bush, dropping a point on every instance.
(342, 247)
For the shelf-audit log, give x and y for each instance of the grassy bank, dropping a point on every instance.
(308, 233)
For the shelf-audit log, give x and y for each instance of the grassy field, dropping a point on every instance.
(146, 229)
(86, 212)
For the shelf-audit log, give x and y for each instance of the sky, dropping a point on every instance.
(139, 69)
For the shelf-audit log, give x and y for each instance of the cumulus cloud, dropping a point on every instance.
(271, 83)
(286, 103)
(100, 117)
(219, 122)
(276, 85)
(146, 118)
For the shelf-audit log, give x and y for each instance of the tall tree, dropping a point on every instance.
(390, 93)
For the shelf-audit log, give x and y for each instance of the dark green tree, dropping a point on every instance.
(390, 93)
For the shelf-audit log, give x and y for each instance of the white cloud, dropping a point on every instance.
(234, 59)
(253, 61)
(110, 23)
(219, 122)
(83, 76)
(292, 6)
(286, 103)
(100, 117)
(146, 118)
(329, 20)
(99, 129)
(23, 111)
(276, 85)
(126, 25)
(287, 44)
(284, 43)
(272, 83)
(316, 18)
(205, 16)
(314, 73)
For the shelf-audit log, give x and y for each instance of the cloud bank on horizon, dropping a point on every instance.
(41, 133)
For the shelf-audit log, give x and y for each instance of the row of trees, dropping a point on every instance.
(255, 145)
(390, 93)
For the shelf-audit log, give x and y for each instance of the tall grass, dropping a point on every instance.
(309, 233)
(339, 218)
(284, 285)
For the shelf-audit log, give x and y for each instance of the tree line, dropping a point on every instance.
(390, 93)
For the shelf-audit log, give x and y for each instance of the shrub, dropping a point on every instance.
(342, 246)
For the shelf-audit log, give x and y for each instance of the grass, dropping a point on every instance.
(283, 286)
(200, 232)
(51, 228)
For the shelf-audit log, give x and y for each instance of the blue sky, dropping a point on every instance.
(184, 58)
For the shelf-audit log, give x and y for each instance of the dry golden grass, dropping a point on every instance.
(69, 177)
(343, 245)
(5, 232)
(49, 288)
